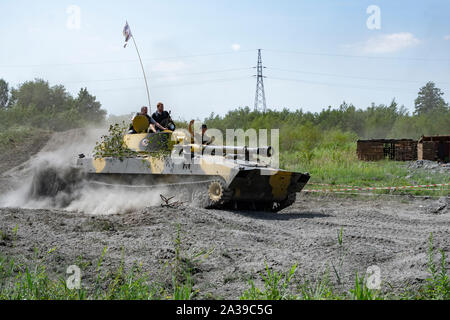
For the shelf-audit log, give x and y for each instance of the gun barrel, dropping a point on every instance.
(243, 151)
(261, 151)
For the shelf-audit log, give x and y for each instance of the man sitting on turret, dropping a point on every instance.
(151, 121)
(197, 137)
(161, 116)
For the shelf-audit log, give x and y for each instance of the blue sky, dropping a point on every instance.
(199, 55)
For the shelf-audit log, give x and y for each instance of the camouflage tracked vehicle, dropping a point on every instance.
(208, 176)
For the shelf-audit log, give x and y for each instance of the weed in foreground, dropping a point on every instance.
(337, 268)
(181, 272)
(320, 289)
(33, 282)
(276, 286)
(438, 284)
(360, 291)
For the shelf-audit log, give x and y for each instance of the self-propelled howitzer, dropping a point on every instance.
(209, 176)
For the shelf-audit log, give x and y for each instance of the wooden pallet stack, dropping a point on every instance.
(405, 150)
(369, 150)
(434, 148)
(379, 149)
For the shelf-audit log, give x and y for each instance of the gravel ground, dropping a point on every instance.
(390, 232)
(428, 166)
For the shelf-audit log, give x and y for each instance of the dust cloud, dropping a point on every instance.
(111, 200)
(59, 156)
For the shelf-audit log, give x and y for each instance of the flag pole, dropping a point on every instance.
(143, 71)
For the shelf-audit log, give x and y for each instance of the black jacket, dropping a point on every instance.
(160, 117)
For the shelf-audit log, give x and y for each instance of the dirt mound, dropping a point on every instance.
(22, 151)
(440, 206)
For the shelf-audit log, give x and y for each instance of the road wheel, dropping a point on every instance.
(47, 183)
(213, 194)
(56, 185)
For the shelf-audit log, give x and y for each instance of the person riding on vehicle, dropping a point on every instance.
(152, 123)
(200, 137)
(163, 117)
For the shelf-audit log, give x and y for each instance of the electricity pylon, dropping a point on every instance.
(260, 97)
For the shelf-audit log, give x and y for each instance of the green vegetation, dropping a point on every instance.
(430, 100)
(431, 117)
(181, 272)
(279, 286)
(4, 93)
(330, 157)
(324, 143)
(322, 289)
(33, 281)
(35, 104)
(112, 145)
(14, 135)
(340, 167)
(276, 286)
(438, 283)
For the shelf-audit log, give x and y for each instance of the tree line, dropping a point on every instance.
(431, 116)
(37, 104)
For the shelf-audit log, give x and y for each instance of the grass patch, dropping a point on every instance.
(13, 136)
(276, 286)
(279, 285)
(341, 167)
(438, 284)
(33, 281)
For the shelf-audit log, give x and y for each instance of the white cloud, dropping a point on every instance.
(447, 37)
(236, 46)
(389, 43)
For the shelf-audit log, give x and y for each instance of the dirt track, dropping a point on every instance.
(391, 233)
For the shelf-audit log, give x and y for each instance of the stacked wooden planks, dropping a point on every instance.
(405, 150)
(394, 149)
(434, 148)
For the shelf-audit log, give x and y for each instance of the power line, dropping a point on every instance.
(124, 61)
(208, 72)
(328, 84)
(226, 53)
(350, 77)
(182, 74)
(245, 77)
(177, 84)
(171, 74)
(360, 56)
(340, 85)
(260, 95)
